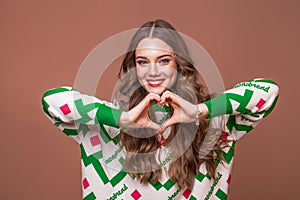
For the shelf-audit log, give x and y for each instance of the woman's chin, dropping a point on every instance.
(157, 91)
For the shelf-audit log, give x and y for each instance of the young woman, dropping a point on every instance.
(163, 137)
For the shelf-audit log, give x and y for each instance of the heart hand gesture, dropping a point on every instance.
(184, 111)
(138, 116)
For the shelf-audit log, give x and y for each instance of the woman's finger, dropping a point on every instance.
(167, 97)
(167, 123)
(154, 125)
(144, 104)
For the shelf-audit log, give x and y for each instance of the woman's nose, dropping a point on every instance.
(153, 69)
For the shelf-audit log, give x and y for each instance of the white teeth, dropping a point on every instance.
(154, 82)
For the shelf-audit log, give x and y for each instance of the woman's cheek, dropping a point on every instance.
(140, 71)
(140, 75)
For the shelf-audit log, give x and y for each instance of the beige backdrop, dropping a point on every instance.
(43, 43)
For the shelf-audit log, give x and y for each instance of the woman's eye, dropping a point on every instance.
(164, 61)
(141, 62)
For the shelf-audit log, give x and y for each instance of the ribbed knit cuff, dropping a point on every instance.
(218, 106)
(108, 116)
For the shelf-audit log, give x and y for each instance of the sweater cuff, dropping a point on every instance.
(108, 116)
(218, 106)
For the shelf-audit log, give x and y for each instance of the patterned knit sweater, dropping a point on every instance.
(93, 124)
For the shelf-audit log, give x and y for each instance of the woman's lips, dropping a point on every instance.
(155, 83)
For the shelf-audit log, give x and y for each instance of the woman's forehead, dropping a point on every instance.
(153, 44)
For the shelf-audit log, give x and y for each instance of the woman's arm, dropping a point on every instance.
(72, 112)
(67, 105)
(246, 104)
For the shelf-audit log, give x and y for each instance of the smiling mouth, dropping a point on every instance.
(155, 83)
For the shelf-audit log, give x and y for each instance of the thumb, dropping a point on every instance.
(154, 126)
(166, 124)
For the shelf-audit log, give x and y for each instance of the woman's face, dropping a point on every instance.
(155, 65)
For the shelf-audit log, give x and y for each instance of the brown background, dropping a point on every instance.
(43, 43)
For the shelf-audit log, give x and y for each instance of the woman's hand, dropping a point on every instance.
(138, 117)
(184, 111)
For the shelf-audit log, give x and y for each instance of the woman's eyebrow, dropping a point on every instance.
(164, 55)
(143, 57)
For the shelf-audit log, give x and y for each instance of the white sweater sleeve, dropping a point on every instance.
(245, 105)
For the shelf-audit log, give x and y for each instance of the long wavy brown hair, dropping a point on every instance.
(188, 147)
